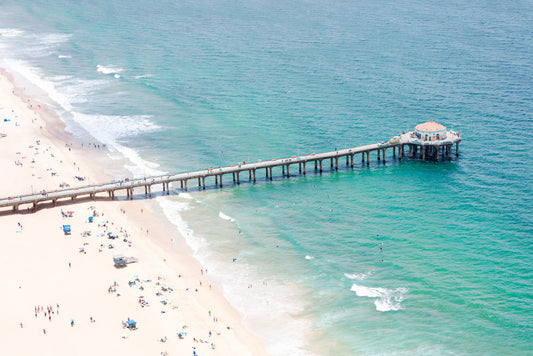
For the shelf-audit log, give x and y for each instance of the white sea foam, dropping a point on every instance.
(64, 56)
(307, 257)
(77, 90)
(186, 196)
(116, 76)
(385, 299)
(225, 217)
(358, 276)
(108, 69)
(36, 78)
(140, 167)
(108, 129)
(261, 306)
(280, 301)
(35, 45)
(277, 300)
(142, 76)
(60, 78)
(43, 45)
(52, 38)
(172, 210)
(10, 32)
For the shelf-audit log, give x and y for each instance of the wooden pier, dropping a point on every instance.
(427, 150)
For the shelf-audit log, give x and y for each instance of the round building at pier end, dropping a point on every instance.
(430, 131)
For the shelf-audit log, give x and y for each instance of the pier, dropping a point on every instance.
(429, 141)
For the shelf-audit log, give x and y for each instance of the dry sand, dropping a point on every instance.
(166, 292)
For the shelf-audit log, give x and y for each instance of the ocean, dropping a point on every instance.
(402, 258)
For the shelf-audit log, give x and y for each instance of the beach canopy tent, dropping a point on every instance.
(66, 229)
(131, 324)
(90, 219)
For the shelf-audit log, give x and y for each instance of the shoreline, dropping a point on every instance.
(46, 160)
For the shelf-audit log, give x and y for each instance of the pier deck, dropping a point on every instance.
(397, 144)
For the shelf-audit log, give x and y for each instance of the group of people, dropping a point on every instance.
(48, 312)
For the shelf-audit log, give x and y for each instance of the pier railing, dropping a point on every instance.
(432, 151)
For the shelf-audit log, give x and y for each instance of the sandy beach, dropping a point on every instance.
(63, 294)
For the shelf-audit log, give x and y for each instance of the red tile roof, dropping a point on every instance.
(430, 126)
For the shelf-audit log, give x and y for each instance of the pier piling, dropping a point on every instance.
(427, 145)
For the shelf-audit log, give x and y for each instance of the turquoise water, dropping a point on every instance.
(404, 258)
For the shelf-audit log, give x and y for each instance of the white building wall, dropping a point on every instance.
(431, 136)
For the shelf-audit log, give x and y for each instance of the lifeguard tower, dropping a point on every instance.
(121, 260)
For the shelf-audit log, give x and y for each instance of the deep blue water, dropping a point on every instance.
(408, 257)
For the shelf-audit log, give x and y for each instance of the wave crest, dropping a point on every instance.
(10, 32)
(386, 299)
(108, 70)
(225, 217)
(358, 276)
